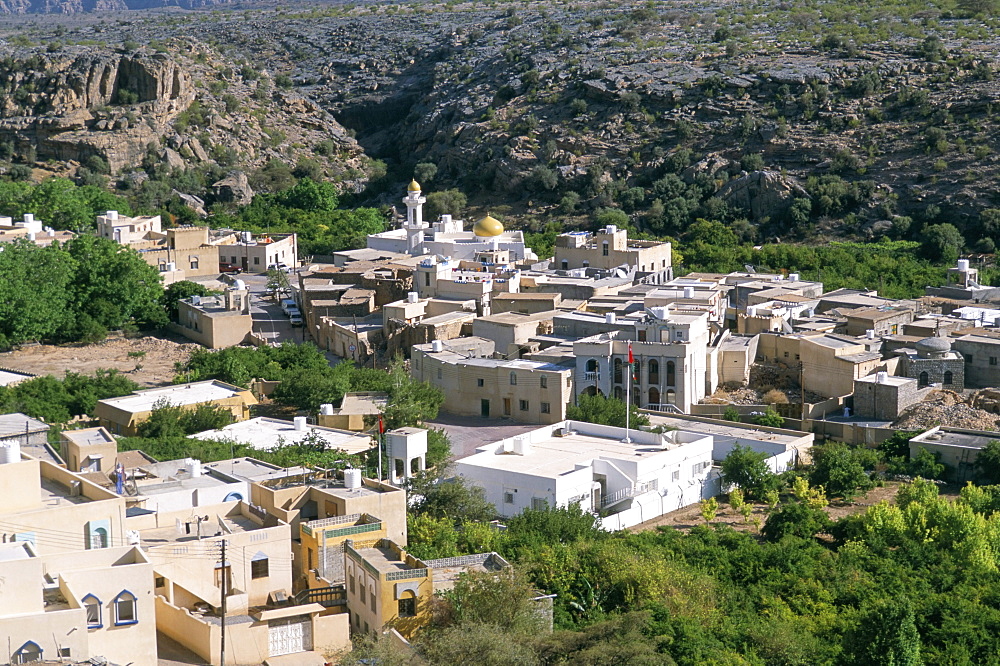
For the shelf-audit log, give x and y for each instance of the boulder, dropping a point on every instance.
(234, 188)
(762, 193)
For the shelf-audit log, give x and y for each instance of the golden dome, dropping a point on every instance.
(414, 186)
(488, 226)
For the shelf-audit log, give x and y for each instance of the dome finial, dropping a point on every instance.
(414, 186)
(487, 227)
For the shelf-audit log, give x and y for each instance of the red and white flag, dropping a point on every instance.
(630, 359)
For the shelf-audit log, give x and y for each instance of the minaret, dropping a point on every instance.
(415, 225)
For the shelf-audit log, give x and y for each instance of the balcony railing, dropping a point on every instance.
(591, 376)
(628, 493)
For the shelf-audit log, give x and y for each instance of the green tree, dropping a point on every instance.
(424, 172)
(747, 469)
(180, 290)
(35, 292)
(886, 635)
(731, 414)
(840, 469)
(795, 519)
(309, 195)
(769, 418)
(942, 242)
(448, 202)
(988, 463)
(433, 494)
(605, 411)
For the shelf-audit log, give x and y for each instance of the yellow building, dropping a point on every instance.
(122, 416)
(89, 450)
(354, 409)
(828, 363)
(389, 588)
(323, 545)
(216, 321)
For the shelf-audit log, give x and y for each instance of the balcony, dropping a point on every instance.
(628, 493)
(591, 376)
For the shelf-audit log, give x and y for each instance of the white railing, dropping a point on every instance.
(591, 376)
(629, 492)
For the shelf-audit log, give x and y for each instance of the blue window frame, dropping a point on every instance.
(93, 607)
(125, 609)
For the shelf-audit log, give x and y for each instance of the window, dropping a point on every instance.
(993, 360)
(546, 408)
(523, 404)
(948, 377)
(539, 503)
(786, 354)
(439, 373)
(618, 371)
(565, 265)
(923, 379)
(350, 583)
(256, 261)
(654, 372)
(125, 608)
(232, 260)
(543, 382)
(676, 476)
(513, 379)
(508, 497)
(796, 357)
(654, 396)
(28, 653)
(259, 566)
(371, 596)
(160, 581)
(604, 248)
(427, 279)
(366, 626)
(671, 373)
(968, 358)
(480, 382)
(591, 365)
(93, 607)
(642, 335)
(194, 263)
(408, 605)
(65, 652)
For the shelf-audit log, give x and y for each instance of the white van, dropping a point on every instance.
(288, 304)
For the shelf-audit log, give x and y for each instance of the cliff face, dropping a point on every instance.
(76, 103)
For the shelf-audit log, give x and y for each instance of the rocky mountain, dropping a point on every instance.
(87, 6)
(669, 113)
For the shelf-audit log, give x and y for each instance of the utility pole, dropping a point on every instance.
(222, 573)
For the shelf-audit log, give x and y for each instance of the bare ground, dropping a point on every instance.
(151, 363)
(690, 516)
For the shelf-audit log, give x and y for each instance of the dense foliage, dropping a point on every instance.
(75, 292)
(605, 411)
(59, 400)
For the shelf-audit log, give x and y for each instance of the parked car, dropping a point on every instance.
(287, 305)
(295, 319)
(279, 267)
(233, 269)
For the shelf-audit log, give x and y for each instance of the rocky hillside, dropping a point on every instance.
(774, 119)
(86, 6)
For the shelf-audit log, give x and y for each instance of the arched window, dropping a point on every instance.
(93, 607)
(591, 365)
(671, 397)
(654, 372)
(513, 379)
(618, 393)
(28, 653)
(604, 248)
(618, 371)
(408, 604)
(125, 608)
(565, 265)
(923, 380)
(99, 538)
(948, 377)
(671, 374)
(654, 398)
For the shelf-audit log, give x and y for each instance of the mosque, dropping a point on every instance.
(446, 237)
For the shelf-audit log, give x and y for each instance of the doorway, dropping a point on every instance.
(484, 408)
(506, 406)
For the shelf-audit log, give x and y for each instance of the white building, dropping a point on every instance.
(676, 361)
(575, 462)
(447, 236)
(265, 434)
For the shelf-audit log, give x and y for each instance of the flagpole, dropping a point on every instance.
(628, 394)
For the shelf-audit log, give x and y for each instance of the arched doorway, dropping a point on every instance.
(654, 398)
(923, 380)
(948, 377)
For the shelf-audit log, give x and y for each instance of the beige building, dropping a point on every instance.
(475, 384)
(79, 605)
(179, 253)
(216, 321)
(354, 409)
(883, 321)
(32, 230)
(610, 248)
(191, 578)
(510, 331)
(828, 364)
(122, 416)
(89, 450)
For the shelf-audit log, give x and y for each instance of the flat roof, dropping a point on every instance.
(891, 380)
(15, 550)
(8, 377)
(265, 434)
(726, 430)
(210, 528)
(383, 559)
(252, 469)
(15, 424)
(555, 456)
(89, 437)
(181, 394)
(363, 403)
(970, 439)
